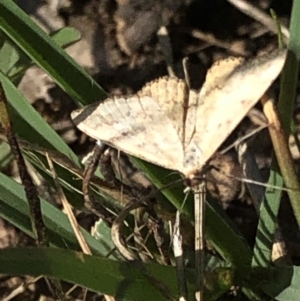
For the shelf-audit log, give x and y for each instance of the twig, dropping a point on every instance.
(129, 255)
(76, 228)
(199, 208)
(21, 289)
(157, 227)
(116, 230)
(37, 222)
(166, 47)
(63, 161)
(233, 47)
(178, 254)
(283, 155)
(255, 13)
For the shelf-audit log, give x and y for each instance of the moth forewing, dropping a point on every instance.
(226, 100)
(128, 125)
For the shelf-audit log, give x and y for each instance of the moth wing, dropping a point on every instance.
(170, 93)
(231, 89)
(136, 125)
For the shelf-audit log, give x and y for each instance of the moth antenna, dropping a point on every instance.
(173, 184)
(245, 180)
(245, 137)
(254, 12)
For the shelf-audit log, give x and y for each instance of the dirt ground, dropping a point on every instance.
(121, 48)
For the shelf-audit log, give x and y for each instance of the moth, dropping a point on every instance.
(178, 129)
(168, 125)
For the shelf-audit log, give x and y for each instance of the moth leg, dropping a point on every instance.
(106, 168)
(156, 226)
(89, 202)
(115, 165)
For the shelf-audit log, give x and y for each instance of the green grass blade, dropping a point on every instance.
(262, 253)
(283, 283)
(14, 208)
(5, 155)
(294, 42)
(65, 36)
(124, 280)
(47, 54)
(9, 55)
(31, 126)
(270, 206)
(13, 59)
(287, 96)
(110, 277)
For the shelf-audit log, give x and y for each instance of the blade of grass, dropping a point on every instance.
(267, 224)
(47, 54)
(63, 37)
(120, 279)
(33, 126)
(289, 81)
(13, 60)
(5, 155)
(9, 55)
(262, 253)
(14, 208)
(270, 206)
(37, 223)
